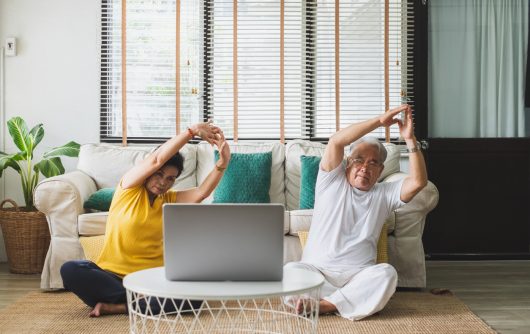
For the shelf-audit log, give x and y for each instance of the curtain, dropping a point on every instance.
(477, 67)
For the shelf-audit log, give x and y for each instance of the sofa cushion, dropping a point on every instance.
(205, 164)
(382, 244)
(299, 220)
(188, 178)
(100, 200)
(297, 148)
(293, 151)
(286, 222)
(89, 224)
(106, 163)
(309, 166)
(391, 162)
(92, 246)
(247, 179)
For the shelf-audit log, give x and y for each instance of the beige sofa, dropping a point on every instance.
(61, 198)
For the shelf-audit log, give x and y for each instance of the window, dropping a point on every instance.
(150, 68)
(272, 79)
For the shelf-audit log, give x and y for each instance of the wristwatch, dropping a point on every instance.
(413, 150)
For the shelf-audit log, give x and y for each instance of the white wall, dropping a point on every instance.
(54, 79)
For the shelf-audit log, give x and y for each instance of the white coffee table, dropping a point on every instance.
(227, 307)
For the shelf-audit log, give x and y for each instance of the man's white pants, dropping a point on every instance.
(356, 293)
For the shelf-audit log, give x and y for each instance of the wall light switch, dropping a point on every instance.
(11, 46)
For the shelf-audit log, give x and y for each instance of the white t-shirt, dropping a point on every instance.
(347, 221)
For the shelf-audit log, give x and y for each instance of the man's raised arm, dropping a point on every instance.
(417, 178)
(335, 149)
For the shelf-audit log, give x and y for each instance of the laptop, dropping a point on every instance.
(223, 242)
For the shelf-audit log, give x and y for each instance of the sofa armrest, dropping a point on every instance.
(61, 199)
(424, 201)
(405, 244)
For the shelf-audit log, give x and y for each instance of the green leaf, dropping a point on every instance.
(19, 132)
(36, 134)
(70, 149)
(50, 167)
(26, 142)
(9, 160)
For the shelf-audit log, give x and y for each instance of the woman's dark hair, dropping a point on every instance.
(176, 161)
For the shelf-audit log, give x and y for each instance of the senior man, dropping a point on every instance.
(350, 210)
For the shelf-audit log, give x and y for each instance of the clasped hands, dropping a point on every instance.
(214, 136)
(406, 126)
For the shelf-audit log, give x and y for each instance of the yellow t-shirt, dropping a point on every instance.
(133, 236)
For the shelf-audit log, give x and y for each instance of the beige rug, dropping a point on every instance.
(407, 312)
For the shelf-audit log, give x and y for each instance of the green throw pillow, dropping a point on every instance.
(100, 200)
(308, 178)
(246, 180)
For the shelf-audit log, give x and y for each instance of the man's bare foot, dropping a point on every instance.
(302, 306)
(104, 308)
(326, 307)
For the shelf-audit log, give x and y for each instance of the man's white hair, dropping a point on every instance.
(373, 142)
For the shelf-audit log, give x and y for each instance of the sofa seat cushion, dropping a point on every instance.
(205, 164)
(90, 224)
(300, 220)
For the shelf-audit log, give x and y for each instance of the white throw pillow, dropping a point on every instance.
(106, 163)
(392, 160)
(293, 150)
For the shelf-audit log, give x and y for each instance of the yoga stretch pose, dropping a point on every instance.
(133, 236)
(350, 209)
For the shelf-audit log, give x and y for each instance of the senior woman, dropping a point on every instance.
(133, 236)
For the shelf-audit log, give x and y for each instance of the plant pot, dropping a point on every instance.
(26, 238)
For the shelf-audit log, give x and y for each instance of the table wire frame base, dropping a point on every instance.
(286, 314)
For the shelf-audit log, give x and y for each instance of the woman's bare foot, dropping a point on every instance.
(300, 309)
(104, 308)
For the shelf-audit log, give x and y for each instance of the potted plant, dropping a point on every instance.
(25, 229)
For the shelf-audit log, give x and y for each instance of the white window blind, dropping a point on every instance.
(362, 61)
(258, 67)
(241, 88)
(150, 67)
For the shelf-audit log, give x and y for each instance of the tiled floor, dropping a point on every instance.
(497, 291)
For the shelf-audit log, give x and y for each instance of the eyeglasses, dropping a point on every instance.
(358, 162)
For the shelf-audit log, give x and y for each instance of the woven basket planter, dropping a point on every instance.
(26, 238)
